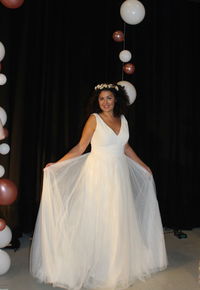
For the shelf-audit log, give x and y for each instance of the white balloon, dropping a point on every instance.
(5, 237)
(3, 79)
(2, 51)
(4, 148)
(3, 116)
(2, 171)
(130, 90)
(132, 11)
(125, 55)
(5, 262)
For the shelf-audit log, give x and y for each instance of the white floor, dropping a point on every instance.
(182, 273)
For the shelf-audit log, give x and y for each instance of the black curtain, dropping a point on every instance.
(57, 52)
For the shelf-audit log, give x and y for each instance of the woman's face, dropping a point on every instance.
(106, 101)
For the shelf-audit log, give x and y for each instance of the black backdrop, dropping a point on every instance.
(56, 51)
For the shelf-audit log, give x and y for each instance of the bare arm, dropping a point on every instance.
(131, 154)
(86, 137)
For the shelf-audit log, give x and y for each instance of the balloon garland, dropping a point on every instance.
(8, 189)
(132, 12)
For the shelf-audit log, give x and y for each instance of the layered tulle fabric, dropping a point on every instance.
(99, 223)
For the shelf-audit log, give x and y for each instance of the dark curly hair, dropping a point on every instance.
(120, 94)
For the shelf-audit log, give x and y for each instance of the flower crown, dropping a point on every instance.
(106, 86)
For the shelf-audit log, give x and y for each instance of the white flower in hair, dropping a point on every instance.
(106, 86)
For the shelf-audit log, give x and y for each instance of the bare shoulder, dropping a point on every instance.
(91, 122)
(92, 119)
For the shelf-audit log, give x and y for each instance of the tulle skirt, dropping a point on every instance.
(98, 224)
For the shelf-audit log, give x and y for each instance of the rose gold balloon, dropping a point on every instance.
(118, 36)
(8, 191)
(129, 68)
(12, 3)
(5, 132)
(0, 66)
(2, 224)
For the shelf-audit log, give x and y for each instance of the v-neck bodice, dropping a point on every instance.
(110, 127)
(105, 139)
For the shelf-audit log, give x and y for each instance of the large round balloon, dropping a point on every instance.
(3, 116)
(132, 11)
(2, 224)
(125, 55)
(128, 68)
(3, 79)
(8, 191)
(5, 237)
(5, 262)
(130, 90)
(12, 3)
(118, 36)
(2, 51)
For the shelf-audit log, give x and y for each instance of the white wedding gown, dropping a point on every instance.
(98, 224)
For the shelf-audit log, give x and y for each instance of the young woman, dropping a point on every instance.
(99, 223)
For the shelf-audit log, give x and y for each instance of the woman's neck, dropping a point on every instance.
(107, 114)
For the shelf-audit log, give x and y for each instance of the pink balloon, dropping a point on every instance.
(6, 133)
(2, 224)
(129, 68)
(118, 36)
(8, 191)
(12, 3)
(3, 132)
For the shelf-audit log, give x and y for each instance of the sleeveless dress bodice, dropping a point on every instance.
(106, 141)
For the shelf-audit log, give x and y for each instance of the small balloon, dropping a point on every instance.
(118, 36)
(125, 55)
(3, 116)
(132, 11)
(2, 134)
(12, 3)
(2, 171)
(2, 224)
(3, 79)
(6, 133)
(8, 191)
(5, 237)
(4, 148)
(129, 68)
(5, 262)
(130, 90)
(2, 51)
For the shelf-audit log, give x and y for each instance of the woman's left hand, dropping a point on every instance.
(49, 164)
